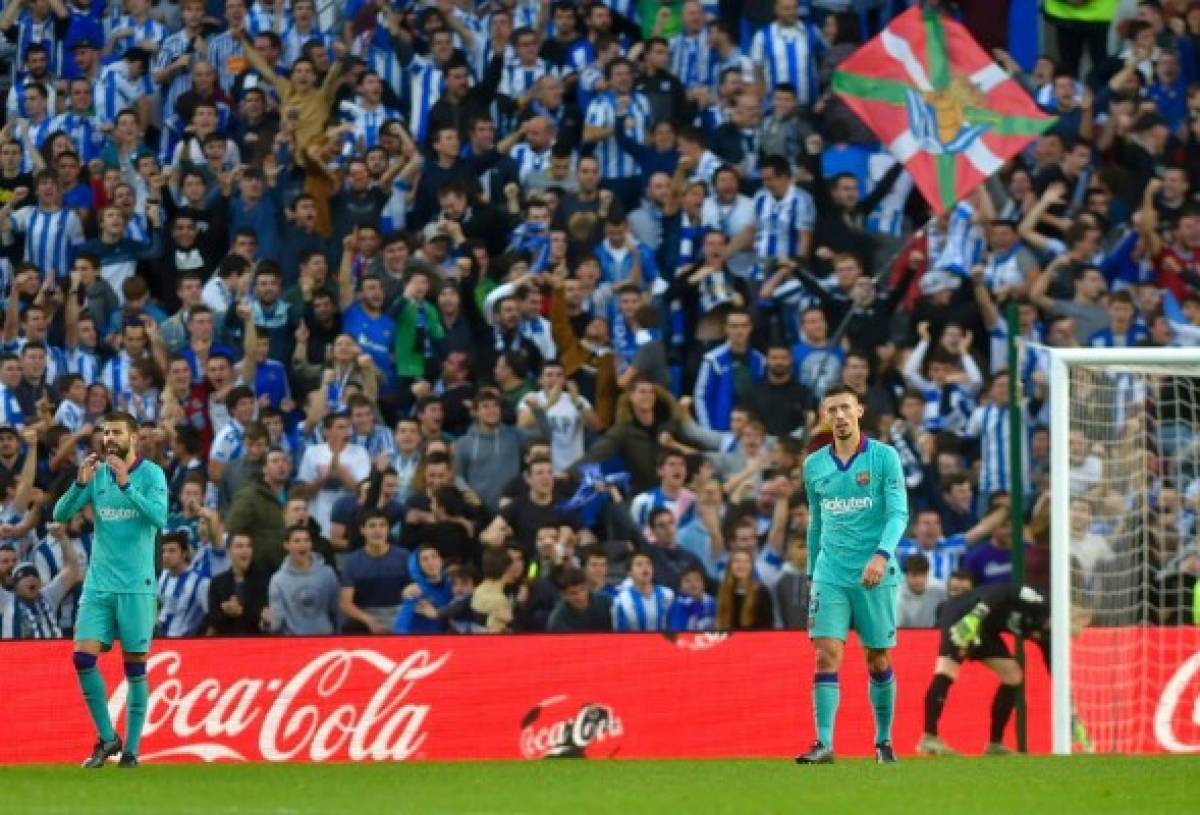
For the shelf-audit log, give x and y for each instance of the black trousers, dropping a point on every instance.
(1073, 37)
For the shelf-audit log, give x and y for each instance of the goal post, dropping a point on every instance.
(1137, 408)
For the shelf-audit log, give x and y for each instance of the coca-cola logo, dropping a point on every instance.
(551, 730)
(1171, 715)
(307, 716)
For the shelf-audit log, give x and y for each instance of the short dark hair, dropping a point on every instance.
(589, 552)
(570, 577)
(177, 538)
(916, 563)
(236, 395)
(839, 390)
(495, 562)
(123, 417)
(371, 514)
(291, 531)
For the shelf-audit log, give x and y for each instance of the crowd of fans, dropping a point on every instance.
(516, 316)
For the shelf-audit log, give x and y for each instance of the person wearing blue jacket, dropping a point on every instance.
(727, 372)
(426, 595)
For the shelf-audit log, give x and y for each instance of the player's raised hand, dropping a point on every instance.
(119, 468)
(87, 469)
(872, 574)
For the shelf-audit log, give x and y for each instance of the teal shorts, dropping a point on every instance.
(834, 610)
(105, 616)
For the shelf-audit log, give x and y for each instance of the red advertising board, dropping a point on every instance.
(453, 698)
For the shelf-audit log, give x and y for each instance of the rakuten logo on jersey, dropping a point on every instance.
(846, 506)
(551, 730)
(1177, 715)
(320, 712)
(113, 514)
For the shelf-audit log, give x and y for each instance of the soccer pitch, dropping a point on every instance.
(961, 786)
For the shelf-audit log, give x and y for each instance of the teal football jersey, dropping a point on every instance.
(857, 508)
(127, 523)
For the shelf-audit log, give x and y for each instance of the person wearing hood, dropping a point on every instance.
(489, 455)
(304, 593)
(647, 417)
(428, 594)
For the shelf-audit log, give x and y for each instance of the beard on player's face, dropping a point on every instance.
(115, 448)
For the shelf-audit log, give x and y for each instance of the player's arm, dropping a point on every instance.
(895, 499)
(814, 524)
(72, 570)
(351, 611)
(150, 497)
(80, 493)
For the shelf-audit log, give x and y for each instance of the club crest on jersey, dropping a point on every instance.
(863, 478)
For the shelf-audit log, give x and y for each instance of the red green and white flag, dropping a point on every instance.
(940, 104)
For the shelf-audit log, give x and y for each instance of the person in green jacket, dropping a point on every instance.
(418, 330)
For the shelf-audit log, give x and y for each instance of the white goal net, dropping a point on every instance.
(1125, 490)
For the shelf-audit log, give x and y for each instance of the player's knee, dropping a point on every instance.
(878, 661)
(134, 668)
(83, 661)
(1013, 675)
(829, 655)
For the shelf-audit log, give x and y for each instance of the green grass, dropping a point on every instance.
(1017, 785)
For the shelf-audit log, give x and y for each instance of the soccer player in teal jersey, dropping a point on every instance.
(128, 496)
(858, 511)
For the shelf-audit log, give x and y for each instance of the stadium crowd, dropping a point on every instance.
(516, 316)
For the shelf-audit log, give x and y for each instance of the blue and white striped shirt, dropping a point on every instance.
(56, 358)
(683, 507)
(182, 603)
(148, 29)
(368, 121)
(228, 443)
(31, 136)
(294, 41)
(691, 58)
(15, 106)
(84, 362)
(380, 57)
(530, 161)
(115, 376)
(517, 79)
(260, 19)
(989, 423)
(961, 245)
(47, 556)
(172, 48)
(626, 8)
(634, 612)
(42, 31)
(379, 441)
(70, 415)
(943, 559)
(602, 112)
(789, 54)
(781, 221)
(222, 51)
(49, 237)
(10, 410)
(425, 88)
(84, 130)
(736, 59)
(115, 92)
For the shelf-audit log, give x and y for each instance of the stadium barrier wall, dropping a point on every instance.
(494, 697)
